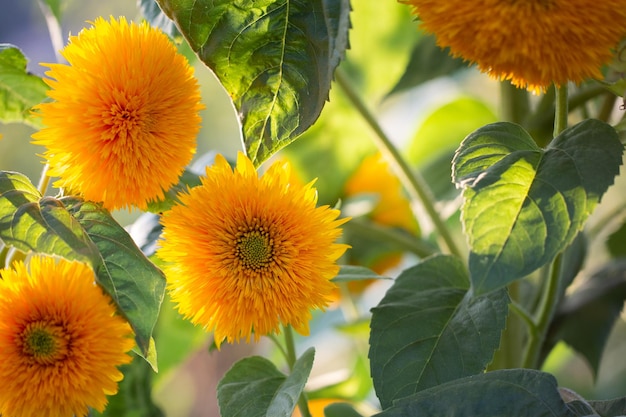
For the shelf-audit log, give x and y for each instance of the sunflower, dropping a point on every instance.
(124, 118)
(532, 43)
(392, 209)
(60, 340)
(250, 253)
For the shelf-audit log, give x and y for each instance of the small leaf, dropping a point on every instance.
(427, 62)
(31, 223)
(255, 388)
(522, 204)
(19, 90)
(510, 392)
(586, 317)
(349, 273)
(135, 284)
(275, 58)
(428, 329)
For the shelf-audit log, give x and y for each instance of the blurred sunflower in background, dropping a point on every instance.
(123, 122)
(247, 254)
(390, 209)
(532, 43)
(61, 340)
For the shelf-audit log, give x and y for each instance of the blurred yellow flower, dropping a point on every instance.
(533, 43)
(250, 253)
(392, 208)
(124, 118)
(60, 340)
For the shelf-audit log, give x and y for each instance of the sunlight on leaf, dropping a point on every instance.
(275, 58)
(523, 204)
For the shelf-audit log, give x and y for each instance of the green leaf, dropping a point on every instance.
(437, 136)
(255, 388)
(340, 410)
(523, 204)
(275, 58)
(187, 180)
(19, 90)
(135, 284)
(428, 329)
(586, 317)
(349, 273)
(29, 222)
(510, 392)
(427, 62)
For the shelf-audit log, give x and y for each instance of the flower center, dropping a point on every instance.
(124, 118)
(254, 247)
(44, 343)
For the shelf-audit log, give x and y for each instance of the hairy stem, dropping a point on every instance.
(415, 185)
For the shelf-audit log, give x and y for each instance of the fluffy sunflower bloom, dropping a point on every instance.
(248, 253)
(60, 340)
(124, 118)
(532, 43)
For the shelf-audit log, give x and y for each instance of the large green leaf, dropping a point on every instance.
(275, 58)
(523, 204)
(19, 90)
(134, 283)
(253, 387)
(428, 329)
(510, 392)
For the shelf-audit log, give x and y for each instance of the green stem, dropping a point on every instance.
(561, 110)
(413, 182)
(544, 317)
(290, 346)
(279, 345)
(524, 315)
(44, 180)
(515, 104)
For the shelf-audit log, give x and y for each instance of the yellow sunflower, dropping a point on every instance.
(247, 254)
(60, 340)
(533, 43)
(124, 118)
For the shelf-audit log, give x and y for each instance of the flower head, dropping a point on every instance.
(124, 118)
(248, 254)
(60, 340)
(533, 43)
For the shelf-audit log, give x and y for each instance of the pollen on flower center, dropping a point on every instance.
(45, 343)
(254, 247)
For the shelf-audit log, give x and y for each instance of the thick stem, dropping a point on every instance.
(412, 181)
(515, 105)
(290, 346)
(561, 110)
(546, 311)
